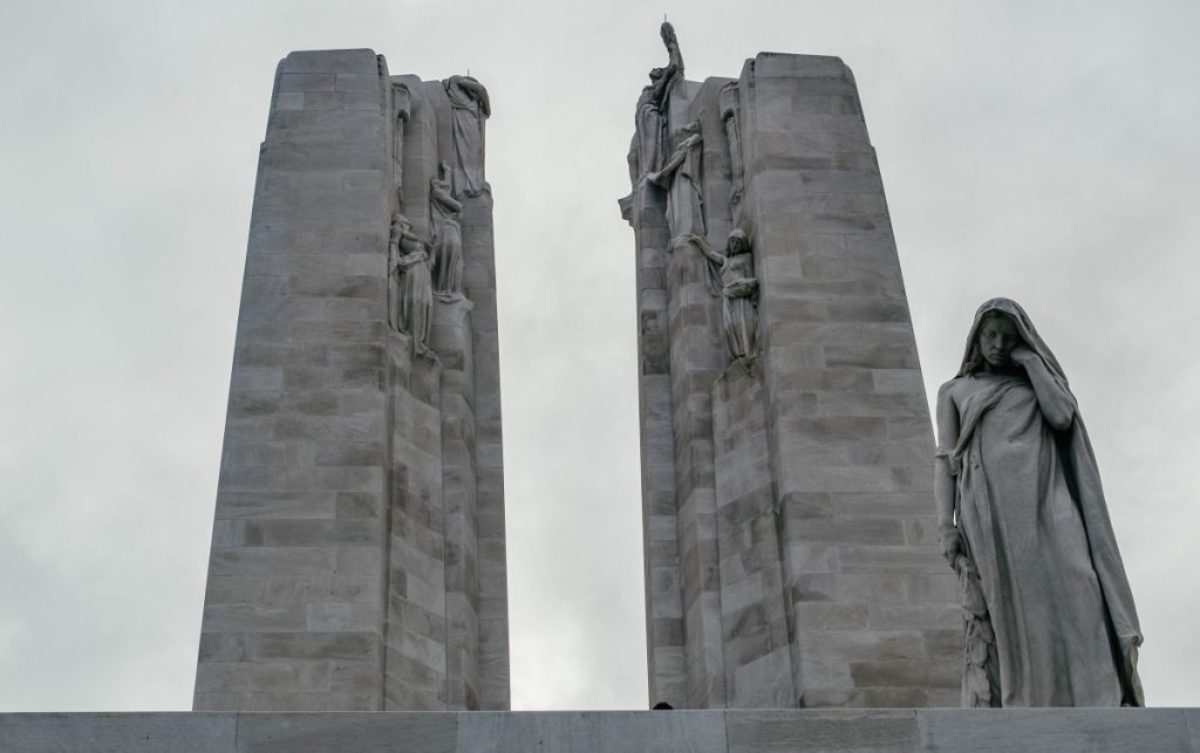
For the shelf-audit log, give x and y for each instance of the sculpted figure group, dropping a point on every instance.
(648, 149)
(421, 270)
(1049, 614)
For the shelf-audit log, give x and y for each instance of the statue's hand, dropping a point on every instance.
(1022, 354)
(951, 542)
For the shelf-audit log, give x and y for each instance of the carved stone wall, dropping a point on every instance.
(790, 548)
(358, 551)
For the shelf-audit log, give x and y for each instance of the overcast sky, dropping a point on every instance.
(1043, 151)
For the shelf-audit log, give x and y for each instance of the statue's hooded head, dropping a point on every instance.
(738, 243)
(1002, 315)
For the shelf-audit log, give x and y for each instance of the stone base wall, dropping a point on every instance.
(804, 731)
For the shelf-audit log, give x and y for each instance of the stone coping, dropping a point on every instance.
(752, 731)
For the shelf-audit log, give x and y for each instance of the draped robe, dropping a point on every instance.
(1032, 513)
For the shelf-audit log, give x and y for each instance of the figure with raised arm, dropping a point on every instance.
(739, 291)
(648, 147)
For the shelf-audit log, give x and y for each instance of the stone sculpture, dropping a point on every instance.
(729, 116)
(681, 178)
(412, 282)
(739, 288)
(448, 262)
(1050, 619)
(471, 106)
(402, 107)
(648, 147)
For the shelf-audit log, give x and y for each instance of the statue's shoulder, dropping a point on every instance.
(953, 391)
(951, 386)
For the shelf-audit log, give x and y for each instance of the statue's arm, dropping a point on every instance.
(663, 177)
(659, 92)
(676, 58)
(408, 260)
(1054, 400)
(445, 197)
(701, 242)
(944, 488)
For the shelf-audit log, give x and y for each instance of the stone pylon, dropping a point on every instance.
(358, 557)
(787, 450)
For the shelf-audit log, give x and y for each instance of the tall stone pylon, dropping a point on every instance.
(358, 557)
(790, 545)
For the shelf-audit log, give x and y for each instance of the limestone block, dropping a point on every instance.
(118, 733)
(883, 731)
(303, 733)
(1056, 730)
(1192, 719)
(592, 732)
(890, 731)
(289, 82)
(330, 61)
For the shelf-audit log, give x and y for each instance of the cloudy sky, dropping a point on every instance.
(1044, 151)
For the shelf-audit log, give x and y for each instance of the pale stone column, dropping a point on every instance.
(755, 609)
(664, 598)
(358, 556)
(491, 569)
(799, 548)
(293, 614)
(696, 361)
(875, 609)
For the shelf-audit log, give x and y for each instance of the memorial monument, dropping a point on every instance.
(793, 558)
(358, 558)
(791, 545)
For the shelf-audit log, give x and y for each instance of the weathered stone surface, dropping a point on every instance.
(592, 732)
(1057, 731)
(349, 543)
(762, 731)
(373, 733)
(779, 731)
(815, 443)
(118, 733)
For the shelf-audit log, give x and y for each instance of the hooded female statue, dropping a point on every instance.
(1049, 614)
(411, 295)
(470, 106)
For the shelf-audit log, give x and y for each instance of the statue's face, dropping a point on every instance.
(997, 338)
